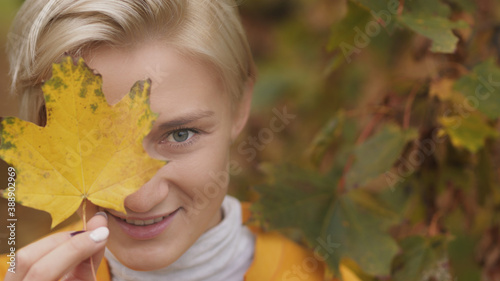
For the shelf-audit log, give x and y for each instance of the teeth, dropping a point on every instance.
(143, 222)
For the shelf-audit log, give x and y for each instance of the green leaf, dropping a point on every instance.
(423, 258)
(374, 204)
(331, 131)
(353, 226)
(424, 8)
(295, 198)
(470, 133)
(344, 31)
(430, 19)
(378, 154)
(383, 12)
(480, 87)
(436, 29)
(362, 235)
(397, 197)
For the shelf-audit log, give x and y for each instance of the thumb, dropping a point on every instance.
(84, 271)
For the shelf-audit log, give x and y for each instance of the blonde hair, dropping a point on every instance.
(44, 30)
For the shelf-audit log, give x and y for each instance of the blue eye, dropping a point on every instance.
(180, 135)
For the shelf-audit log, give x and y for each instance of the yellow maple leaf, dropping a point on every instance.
(88, 149)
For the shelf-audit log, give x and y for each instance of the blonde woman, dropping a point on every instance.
(197, 55)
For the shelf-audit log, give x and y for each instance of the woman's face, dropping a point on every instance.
(193, 133)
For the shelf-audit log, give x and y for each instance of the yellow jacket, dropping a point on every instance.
(276, 258)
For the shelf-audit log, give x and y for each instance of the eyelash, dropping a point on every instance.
(191, 140)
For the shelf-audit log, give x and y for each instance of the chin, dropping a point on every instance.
(146, 266)
(144, 261)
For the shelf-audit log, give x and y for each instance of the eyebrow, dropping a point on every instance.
(186, 119)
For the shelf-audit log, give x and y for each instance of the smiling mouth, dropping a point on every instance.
(145, 222)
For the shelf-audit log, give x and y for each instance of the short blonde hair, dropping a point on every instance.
(44, 30)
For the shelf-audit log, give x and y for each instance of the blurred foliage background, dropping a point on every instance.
(374, 126)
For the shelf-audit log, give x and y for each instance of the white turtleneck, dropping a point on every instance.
(224, 252)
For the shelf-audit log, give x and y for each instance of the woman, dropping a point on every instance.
(202, 72)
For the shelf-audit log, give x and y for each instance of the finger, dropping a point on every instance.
(84, 269)
(99, 219)
(71, 253)
(28, 255)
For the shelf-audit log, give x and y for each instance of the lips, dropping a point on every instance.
(147, 228)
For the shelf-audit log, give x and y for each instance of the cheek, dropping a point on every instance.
(204, 170)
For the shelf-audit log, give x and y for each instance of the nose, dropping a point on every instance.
(147, 197)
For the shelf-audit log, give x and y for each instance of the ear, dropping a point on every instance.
(241, 110)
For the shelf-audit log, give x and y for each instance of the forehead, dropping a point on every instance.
(178, 82)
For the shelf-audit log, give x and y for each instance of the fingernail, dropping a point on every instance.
(99, 234)
(76, 232)
(101, 214)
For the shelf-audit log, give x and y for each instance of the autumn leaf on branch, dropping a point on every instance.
(378, 154)
(430, 18)
(480, 87)
(337, 226)
(89, 150)
(422, 258)
(470, 132)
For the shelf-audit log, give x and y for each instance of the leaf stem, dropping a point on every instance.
(92, 267)
(84, 211)
(409, 103)
(401, 7)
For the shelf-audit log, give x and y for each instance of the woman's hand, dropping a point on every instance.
(63, 256)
